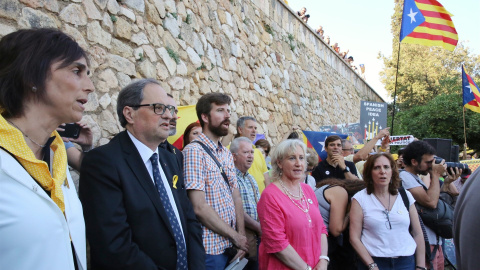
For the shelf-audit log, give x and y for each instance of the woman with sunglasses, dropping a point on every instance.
(383, 232)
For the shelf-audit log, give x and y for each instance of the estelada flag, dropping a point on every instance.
(186, 116)
(316, 140)
(471, 95)
(428, 23)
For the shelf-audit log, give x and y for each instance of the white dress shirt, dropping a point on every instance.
(146, 153)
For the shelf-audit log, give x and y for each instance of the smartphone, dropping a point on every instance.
(71, 130)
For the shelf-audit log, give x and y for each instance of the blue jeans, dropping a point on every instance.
(215, 262)
(398, 263)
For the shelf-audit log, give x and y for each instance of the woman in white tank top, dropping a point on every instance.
(379, 221)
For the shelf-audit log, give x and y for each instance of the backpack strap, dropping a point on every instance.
(428, 253)
(403, 193)
(216, 161)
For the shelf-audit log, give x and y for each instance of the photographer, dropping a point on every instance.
(419, 157)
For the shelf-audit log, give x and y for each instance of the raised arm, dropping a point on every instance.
(362, 154)
(429, 198)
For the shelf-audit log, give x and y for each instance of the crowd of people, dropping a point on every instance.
(302, 13)
(144, 204)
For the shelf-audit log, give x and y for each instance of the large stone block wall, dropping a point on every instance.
(257, 51)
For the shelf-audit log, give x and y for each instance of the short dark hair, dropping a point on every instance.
(416, 150)
(264, 144)
(293, 136)
(332, 138)
(204, 104)
(132, 94)
(367, 173)
(26, 59)
(241, 120)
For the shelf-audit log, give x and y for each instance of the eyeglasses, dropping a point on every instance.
(387, 223)
(158, 108)
(349, 150)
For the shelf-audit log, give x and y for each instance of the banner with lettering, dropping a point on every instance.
(399, 140)
(373, 118)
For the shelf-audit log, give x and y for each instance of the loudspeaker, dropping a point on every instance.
(443, 147)
(454, 153)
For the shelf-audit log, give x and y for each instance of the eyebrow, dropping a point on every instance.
(81, 66)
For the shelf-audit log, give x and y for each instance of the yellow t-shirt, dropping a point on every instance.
(259, 167)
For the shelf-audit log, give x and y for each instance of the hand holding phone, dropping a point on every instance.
(70, 130)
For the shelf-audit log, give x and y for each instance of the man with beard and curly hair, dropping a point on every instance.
(212, 186)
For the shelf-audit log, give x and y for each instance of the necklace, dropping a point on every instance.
(39, 145)
(288, 191)
(386, 208)
(300, 206)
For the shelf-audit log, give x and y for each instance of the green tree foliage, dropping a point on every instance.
(429, 88)
(424, 72)
(441, 117)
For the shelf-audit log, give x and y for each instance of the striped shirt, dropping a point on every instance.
(250, 193)
(202, 173)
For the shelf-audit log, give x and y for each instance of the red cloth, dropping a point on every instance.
(283, 223)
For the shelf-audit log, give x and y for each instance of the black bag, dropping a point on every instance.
(440, 219)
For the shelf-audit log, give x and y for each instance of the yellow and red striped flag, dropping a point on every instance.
(186, 116)
(428, 23)
(471, 94)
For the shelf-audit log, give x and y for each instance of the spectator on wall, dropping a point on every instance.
(320, 31)
(327, 40)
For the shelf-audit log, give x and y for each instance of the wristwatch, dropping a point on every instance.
(347, 169)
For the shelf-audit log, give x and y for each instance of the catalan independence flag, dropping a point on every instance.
(316, 140)
(428, 23)
(471, 94)
(186, 116)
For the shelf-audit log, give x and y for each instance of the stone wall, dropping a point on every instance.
(257, 51)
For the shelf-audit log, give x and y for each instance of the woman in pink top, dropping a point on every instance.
(293, 233)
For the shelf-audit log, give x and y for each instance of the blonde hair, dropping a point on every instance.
(284, 149)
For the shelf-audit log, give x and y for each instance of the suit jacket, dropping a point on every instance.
(126, 223)
(174, 150)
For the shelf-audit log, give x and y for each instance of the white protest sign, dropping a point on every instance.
(399, 140)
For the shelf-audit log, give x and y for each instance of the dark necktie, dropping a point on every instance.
(177, 232)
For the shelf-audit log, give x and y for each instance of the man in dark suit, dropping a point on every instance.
(172, 131)
(136, 209)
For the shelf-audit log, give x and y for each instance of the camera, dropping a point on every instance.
(462, 166)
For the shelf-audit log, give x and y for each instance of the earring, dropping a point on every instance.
(34, 89)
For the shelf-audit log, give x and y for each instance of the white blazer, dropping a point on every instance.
(34, 233)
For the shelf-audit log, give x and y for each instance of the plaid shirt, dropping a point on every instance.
(250, 194)
(202, 173)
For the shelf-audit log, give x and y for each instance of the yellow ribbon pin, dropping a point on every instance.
(175, 180)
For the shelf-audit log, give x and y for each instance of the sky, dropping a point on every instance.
(364, 28)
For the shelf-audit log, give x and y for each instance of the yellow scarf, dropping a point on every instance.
(12, 140)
